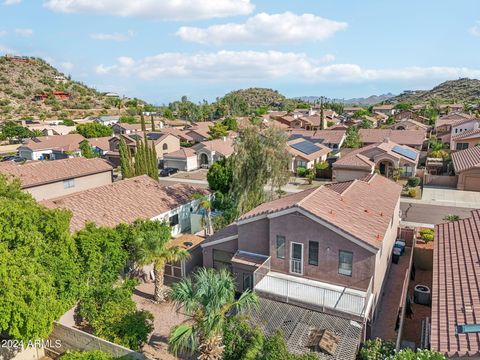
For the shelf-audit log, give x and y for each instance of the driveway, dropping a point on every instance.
(450, 197)
(426, 214)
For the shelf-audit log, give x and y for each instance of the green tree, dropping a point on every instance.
(152, 123)
(11, 130)
(230, 123)
(68, 122)
(220, 176)
(86, 150)
(126, 163)
(403, 106)
(142, 122)
(151, 241)
(275, 348)
(39, 268)
(206, 299)
(112, 314)
(352, 139)
(217, 131)
(366, 124)
(242, 342)
(127, 120)
(94, 130)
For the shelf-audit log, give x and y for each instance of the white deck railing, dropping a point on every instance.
(318, 294)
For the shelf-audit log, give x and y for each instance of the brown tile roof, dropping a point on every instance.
(469, 134)
(455, 288)
(186, 241)
(383, 107)
(230, 230)
(181, 134)
(70, 142)
(451, 119)
(323, 136)
(123, 201)
(466, 159)
(401, 137)
(411, 124)
(37, 173)
(183, 153)
(363, 209)
(221, 146)
(101, 143)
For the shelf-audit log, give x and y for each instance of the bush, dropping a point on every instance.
(301, 171)
(412, 193)
(414, 181)
(376, 349)
(427, 235)
(90, 355)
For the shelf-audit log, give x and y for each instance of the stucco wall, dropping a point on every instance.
(349, 174)
(469, 180)
(253, 237)
(230, 246)
(300, 229)
(56, 189)
(173, 144)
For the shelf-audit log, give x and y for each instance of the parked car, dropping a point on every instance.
(168, 171)
(15, 158)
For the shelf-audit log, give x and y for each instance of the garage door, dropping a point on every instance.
(472, 183)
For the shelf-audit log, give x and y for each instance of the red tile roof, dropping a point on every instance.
(324, 136)
(469, 134)
(101, 143)
(123, 201)
(362, 208)
(401, 137)
(183, 153)
(466, 159)
(37, 173)
(70, 142)
(456, 288)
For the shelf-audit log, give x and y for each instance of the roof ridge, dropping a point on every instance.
(299, 203)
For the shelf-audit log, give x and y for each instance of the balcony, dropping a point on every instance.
(314, 294)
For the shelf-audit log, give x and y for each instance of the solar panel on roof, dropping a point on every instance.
(154, 136)
(305, 147)
(412, 155)
(135, 136)
(468, 328)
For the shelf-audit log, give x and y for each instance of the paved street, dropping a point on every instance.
(430, 214)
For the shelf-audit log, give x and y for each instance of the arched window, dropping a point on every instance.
(165, 146)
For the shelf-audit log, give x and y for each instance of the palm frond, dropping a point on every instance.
(182, 338)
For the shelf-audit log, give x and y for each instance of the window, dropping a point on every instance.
(68, 184)
(407, 171)
(247, 281)
(173, 220)
(313, 253)
(462, 146)
(345, 263)
(165, 146)
(222, 260)
(301, 163)
(280, 247)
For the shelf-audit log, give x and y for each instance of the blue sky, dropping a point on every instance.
(159, 50)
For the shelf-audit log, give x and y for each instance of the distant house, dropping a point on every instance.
(52, 130)
(164, 144)
(454, 328)
(465, 134)
(306, 154)
(330, 138)
(181, 134)
(184, 159)
(51, 147)
(334, 239)
(387, 109)
(200, 131)
(107, 120)
(349, 110)
(100, 145)
(410, 124)
(213, 150)
(466, 164)
(385, 156)
(125, 128)
(49, 179)
(410, 115)
(116, 203)
(412, 138)
(444, 123)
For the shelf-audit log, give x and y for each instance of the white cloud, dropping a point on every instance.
(266, 28)
(11, 2)
(155, 9)
(112, 36)
(3, 33)
(24, 32)
(234, 65)
(67, 66)
(475, 29)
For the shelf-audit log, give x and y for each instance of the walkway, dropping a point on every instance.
(447, 197)
(385, 322)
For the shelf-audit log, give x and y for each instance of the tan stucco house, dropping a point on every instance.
(466, 164)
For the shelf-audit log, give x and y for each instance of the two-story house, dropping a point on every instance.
(327, 248)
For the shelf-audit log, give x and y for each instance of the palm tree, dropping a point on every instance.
(207, 299)
(205, 204)
(151, 239)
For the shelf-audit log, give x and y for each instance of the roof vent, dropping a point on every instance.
(188, 243)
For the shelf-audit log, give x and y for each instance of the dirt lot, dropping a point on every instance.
(200, 174)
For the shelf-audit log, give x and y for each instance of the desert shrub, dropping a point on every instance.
(414, 181)
(412, 192)
(427, 235)
(301, 171)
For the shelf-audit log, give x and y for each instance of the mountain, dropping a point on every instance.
(453, 91)
(32, 88)
(247, 100)
(365, 101)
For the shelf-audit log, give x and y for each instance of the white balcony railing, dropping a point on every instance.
(317, 294)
